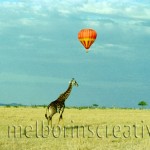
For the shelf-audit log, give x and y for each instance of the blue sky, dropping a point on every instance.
(40, 52)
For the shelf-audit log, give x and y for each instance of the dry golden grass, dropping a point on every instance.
(111, 125)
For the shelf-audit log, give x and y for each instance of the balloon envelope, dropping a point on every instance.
(87, 37)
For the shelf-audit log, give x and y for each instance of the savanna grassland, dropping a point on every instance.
(85, 129)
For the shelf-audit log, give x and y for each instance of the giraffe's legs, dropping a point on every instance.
(61, 117)
(50, 121)
(49, 114)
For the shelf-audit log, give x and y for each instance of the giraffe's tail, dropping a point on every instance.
(46, 113)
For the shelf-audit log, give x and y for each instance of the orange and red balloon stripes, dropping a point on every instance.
(87, 37)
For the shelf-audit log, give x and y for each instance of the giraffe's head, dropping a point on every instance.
(74, 82)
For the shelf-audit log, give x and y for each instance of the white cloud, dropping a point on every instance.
(26, 21)
(116, 51)
(114, 84)
(25, 78)
(92, 11)
(123, 8)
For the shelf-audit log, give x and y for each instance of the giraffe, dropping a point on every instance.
(58, 105)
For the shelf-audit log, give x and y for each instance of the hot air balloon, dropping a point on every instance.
(87, 37)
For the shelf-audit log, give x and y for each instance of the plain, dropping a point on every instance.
(82, 129)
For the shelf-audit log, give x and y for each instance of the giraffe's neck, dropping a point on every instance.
(66, 94)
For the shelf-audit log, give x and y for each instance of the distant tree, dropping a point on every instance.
(142, 104)
(8, 106)
(95, 105)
